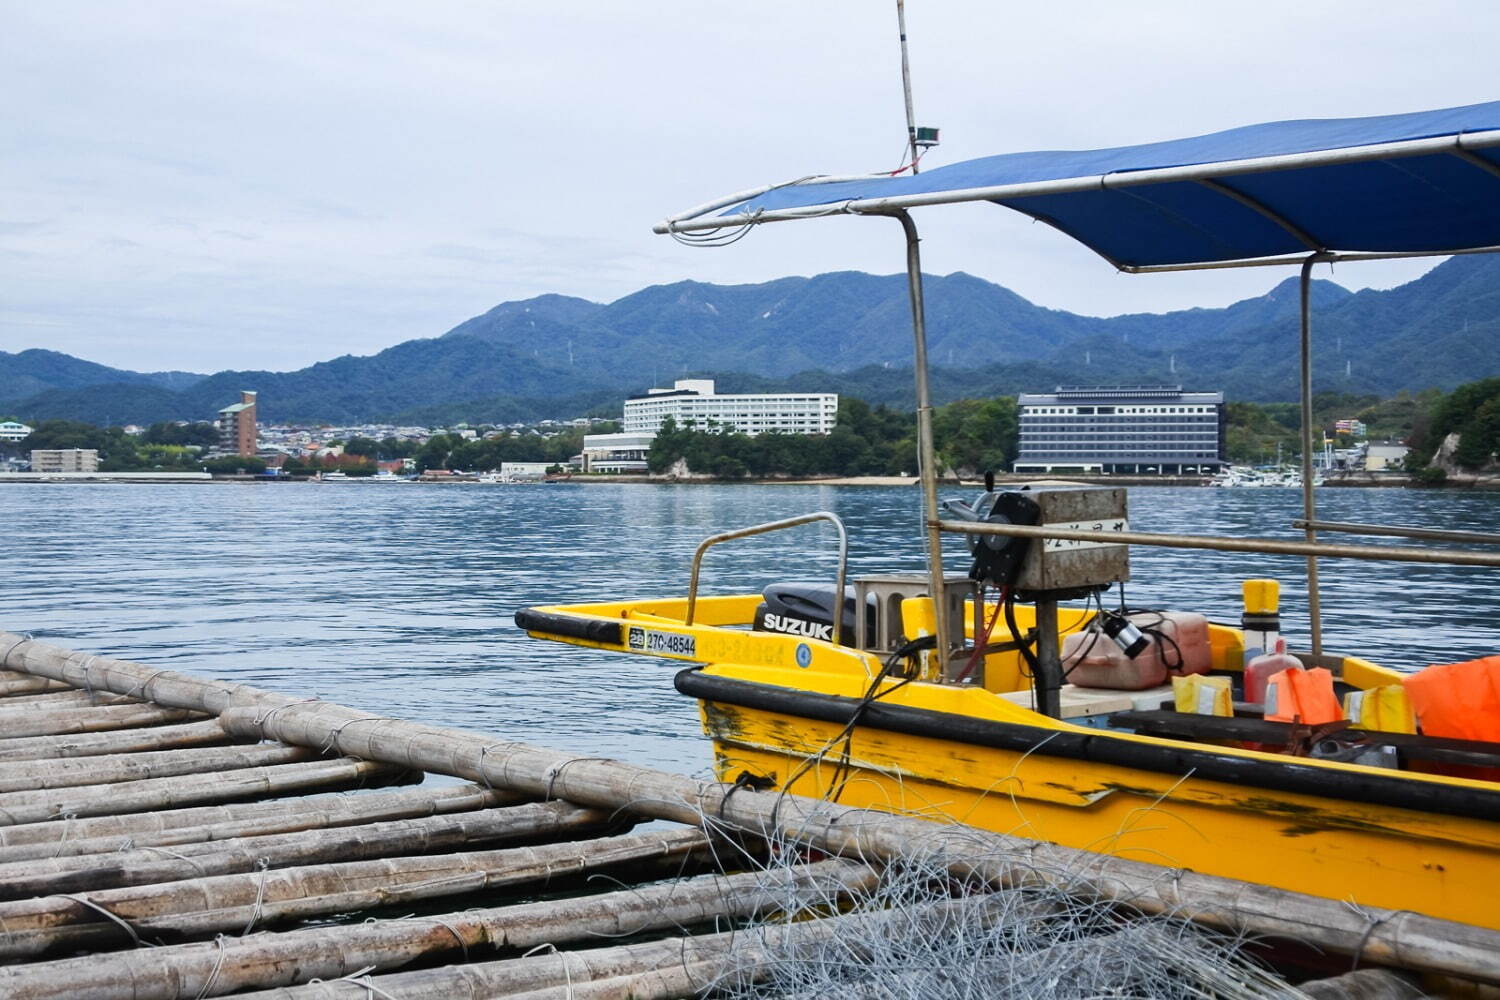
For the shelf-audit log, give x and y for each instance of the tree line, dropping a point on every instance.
(164, 446)
(970, 434)
(1472, 411)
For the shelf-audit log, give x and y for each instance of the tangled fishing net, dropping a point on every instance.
(923, 934)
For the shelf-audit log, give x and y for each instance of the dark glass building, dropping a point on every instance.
(1137, 429)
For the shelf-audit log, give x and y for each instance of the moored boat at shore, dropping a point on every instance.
(908, 695)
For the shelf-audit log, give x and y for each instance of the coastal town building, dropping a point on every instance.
(1128, 429)
(1354, 428)
(516, 471)
(616, 453)
(11, 430)
(50, 460)
(693, 402)
(1385, 457)
(237, 431)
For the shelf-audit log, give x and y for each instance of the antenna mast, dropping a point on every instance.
(911, 117)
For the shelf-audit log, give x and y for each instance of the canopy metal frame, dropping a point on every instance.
(1215, 176)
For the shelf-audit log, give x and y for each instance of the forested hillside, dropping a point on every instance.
(554, 356)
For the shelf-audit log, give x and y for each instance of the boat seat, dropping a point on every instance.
(1079, 701)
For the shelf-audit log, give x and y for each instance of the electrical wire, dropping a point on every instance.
(980, 642)
(844, 769)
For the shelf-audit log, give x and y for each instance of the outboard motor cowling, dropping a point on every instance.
(807, 609)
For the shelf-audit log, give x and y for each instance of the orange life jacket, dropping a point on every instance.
(1304, 696)
(1458, 700)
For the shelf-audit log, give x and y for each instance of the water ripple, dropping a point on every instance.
(399, 599)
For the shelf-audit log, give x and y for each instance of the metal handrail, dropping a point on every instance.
(761, 529)
(1263, 546)
(1400, 531)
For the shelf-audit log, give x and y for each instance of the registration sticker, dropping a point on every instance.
(649, 640)
(1067, 544)
(804, 655)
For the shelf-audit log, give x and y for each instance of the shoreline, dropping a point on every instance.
(1356, 481)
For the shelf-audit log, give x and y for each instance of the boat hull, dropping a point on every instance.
(1377, 841)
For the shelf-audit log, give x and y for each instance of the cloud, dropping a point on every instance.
(270, 184)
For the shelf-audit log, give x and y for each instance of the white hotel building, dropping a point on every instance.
(693, 402)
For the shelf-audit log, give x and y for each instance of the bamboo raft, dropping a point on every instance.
(168, 836)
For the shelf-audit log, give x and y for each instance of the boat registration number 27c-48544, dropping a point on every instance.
(651, 641)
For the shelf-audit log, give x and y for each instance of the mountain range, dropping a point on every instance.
(848, 332)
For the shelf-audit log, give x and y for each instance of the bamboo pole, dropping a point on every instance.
(1365, 984)
(235, 903)
(101, 673)
(150, 865)
(164, 793)
(668, 983)
(331, 951)
(67, 721)
(172, 827)
(18, 683)
(1379, 936)
(206, 733)
(59, 699)
(701, 959)
(37, 775)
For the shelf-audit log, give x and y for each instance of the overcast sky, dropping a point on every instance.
(265, 184)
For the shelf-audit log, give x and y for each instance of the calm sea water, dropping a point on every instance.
(398, 599)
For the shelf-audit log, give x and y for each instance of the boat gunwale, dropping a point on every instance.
(1405, 790)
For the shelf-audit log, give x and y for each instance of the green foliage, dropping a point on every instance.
(971, 435)
(235, 465)
(170, 448)
(1473, 412)
(368, 447)
(1253, 430)
(449, 451)
(976, 435)
(202, 433)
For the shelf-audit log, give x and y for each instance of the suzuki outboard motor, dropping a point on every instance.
(806, 609)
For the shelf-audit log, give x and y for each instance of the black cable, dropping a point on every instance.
(1093, 639)
(846, 735)
(1158, 635)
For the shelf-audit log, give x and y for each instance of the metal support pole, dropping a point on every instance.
(1309, 504)
(1048, 680)
(926, 453)
(911, 117)
(1398, 531)
(1219, 543)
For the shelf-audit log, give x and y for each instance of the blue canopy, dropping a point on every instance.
(1426, 182)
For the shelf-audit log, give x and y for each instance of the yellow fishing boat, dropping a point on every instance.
(954, 697)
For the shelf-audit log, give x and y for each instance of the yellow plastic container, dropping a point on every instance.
(1262, 597)
(1197, 694)
(1386, 709)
